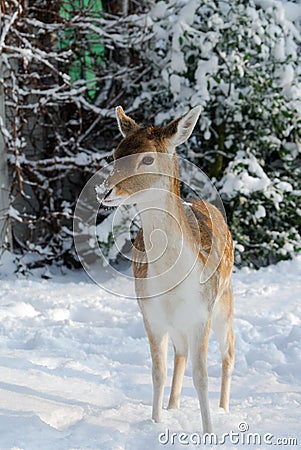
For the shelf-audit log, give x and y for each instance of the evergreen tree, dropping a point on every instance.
(240, 61)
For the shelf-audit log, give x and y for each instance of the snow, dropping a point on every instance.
(201, 75)
(187, 13)
(260, 212)
(159, 10)
(284, 186)
(292, 10)
(76, 370)
(245, 175)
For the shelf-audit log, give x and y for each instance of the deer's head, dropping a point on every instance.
(145, 160)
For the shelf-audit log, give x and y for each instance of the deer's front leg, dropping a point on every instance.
(158, 346)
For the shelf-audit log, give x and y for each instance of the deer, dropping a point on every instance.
(182, 260)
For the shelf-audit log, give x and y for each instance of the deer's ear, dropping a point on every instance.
(125, 124)
(179, 130)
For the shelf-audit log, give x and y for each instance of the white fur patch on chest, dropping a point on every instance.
(178, 309)
(172, 297)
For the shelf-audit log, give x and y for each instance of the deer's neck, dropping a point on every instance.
(165, 227)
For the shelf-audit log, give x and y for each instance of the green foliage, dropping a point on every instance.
(85, 46)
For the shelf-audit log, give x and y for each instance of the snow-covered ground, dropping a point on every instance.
(75, 368)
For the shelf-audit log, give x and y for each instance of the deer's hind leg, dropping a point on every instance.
(223, 330)
(198, 346)
(180, 359)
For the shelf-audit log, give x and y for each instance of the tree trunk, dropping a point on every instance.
(5, 234)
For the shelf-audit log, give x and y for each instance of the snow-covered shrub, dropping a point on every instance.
(240, 61)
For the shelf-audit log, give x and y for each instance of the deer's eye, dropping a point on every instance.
(147, 160)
